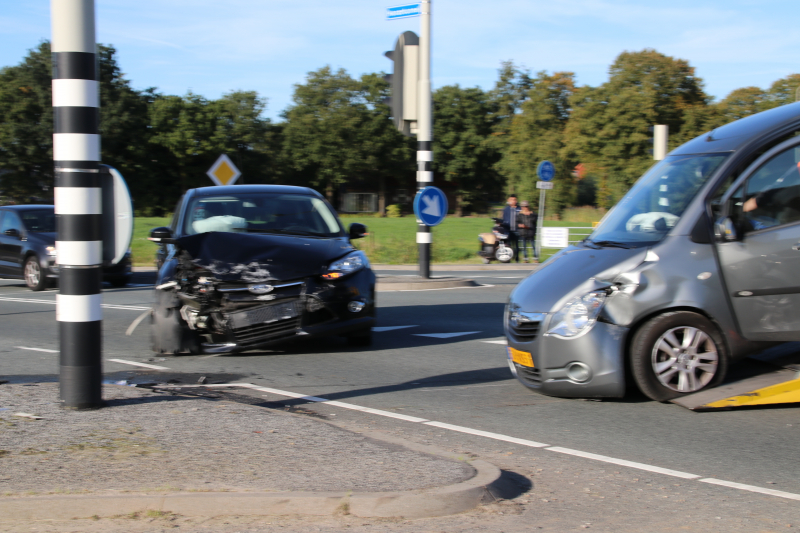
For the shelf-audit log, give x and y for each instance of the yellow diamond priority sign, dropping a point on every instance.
(223, 171)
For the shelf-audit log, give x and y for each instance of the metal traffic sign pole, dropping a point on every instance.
(425, 135)
(424, 103)
(546, 171)
(78, 201)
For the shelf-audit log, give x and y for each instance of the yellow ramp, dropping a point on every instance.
(781, 386)
(788, 392)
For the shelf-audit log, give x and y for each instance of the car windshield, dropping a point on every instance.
(656, 202)
(290, 214)
(39, 220)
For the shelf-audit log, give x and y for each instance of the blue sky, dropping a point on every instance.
(268, 46)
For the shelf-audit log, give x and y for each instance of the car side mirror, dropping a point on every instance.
(357, 231)
(162, 235)
(12, 232)
(726, 230)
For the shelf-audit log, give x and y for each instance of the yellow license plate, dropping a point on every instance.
(520, 357)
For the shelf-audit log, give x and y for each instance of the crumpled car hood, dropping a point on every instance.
(575, 270)
(251, 257)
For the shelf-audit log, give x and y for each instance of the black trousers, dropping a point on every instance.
(513, 241)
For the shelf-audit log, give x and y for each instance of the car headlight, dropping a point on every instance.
(578, 315)
(51, 250)
(348, 264)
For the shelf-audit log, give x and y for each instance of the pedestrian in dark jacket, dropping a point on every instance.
(510, 213)
(526, 229)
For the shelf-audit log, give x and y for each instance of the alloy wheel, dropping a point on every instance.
(685, 359)
(33, 273)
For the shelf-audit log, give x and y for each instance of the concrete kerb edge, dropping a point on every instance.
(420, 503)
(439, 501)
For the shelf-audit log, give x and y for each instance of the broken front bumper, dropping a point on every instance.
(320, 308)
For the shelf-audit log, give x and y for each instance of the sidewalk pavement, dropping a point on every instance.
(196, 452)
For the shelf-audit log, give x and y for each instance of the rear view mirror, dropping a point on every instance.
(357, 231)
(726, 230)
(161, 235)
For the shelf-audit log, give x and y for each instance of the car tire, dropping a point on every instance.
(677, 353)
(119, 282)
(32, 272)
(361, 338)
(169, 334)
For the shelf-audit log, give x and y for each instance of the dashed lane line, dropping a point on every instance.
(390, 328)
(445, 335)
(516, 440)
(487, 434)
(134, 363)
(53, 302)
(35, 349)
(497, 341)
(751, 488)
(623, 462)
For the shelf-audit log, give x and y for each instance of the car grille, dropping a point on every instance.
(266, 322)
(525, 331)
(531, 376)
(266, 332)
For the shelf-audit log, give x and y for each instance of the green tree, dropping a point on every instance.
(338, 132)
(26, 127)
(463, 152)
(536, 135)
(26, 124)
(608, 128)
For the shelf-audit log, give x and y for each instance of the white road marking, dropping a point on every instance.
(442, 289)
(751, 488)
(36, 349)
(379, 412)
(623, 462)
(391, 328)
(495, 436)
(445, 335)
(498, 341)
(514, 440)
(134, 363)
(53, 302)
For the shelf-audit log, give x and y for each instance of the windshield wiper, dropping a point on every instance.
(608, 244)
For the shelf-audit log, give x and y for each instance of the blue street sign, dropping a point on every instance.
(430, 206)
(546, 171)
(403, 12)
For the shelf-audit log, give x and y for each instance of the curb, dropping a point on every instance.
(401, 283)
(424, 503)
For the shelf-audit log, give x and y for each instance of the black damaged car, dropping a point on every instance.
(245, 266)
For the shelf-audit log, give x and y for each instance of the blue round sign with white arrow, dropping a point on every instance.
(546, 171)
(430, 206)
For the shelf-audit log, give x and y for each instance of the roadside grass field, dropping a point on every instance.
(391, 241)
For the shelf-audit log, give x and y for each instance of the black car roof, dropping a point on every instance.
(27, 207)
(239, 189)
(738, 134)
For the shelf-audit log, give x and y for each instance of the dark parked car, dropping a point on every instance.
(245, 266)
(28, 247)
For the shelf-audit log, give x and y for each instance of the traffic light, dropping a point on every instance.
(404, 82)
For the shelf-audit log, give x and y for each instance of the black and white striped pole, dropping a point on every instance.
(424, 134)
(78, 201)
